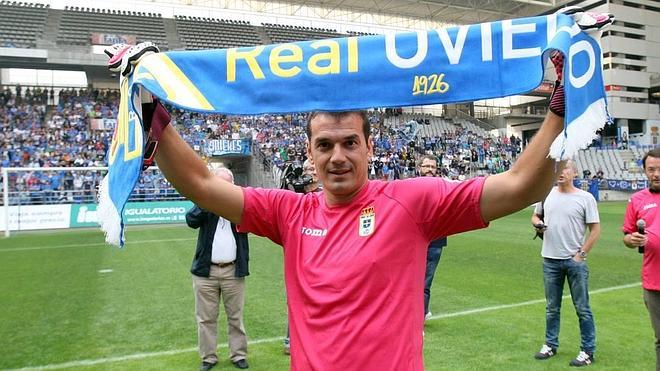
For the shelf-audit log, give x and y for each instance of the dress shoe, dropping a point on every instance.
(206, 366)
(241, 363)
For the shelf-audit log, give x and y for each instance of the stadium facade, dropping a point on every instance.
(61, 35)
(631, 64)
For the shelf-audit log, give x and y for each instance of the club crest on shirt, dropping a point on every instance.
(367, 221)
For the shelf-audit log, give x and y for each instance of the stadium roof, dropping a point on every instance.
(397, 14)
(444, 11)
(441, 11)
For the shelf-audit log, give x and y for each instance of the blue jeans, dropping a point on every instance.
(432, 260)
(555, 272)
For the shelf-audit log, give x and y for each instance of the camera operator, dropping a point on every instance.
(310, 170)
(310, 183)
(300, 179)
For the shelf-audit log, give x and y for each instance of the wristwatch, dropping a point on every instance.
(583, 254)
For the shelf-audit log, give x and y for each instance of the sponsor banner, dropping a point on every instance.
(221, 147)
(614, 184)
(84, 215)
(110, 39)
(32, 217)
(626, 185)
(103, 124)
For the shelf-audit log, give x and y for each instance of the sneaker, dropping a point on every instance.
(428, 316)
(583, 359)
(545, 352)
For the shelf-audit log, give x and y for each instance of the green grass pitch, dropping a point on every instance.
(67, 301)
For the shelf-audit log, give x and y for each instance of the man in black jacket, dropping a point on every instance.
(219, 269)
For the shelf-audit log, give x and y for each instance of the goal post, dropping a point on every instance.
(36, 198)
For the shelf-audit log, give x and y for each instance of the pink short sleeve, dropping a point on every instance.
(265, 210)
(442, 207)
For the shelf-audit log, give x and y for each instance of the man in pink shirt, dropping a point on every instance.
(355, 253)
(643, 206)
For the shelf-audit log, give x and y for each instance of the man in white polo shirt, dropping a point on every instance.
(219, 269)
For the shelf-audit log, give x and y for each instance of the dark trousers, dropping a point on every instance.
(432, 260)
(652, 301)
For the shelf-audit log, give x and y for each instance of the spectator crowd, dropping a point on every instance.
(41, 129)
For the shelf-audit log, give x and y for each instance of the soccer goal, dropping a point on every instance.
(66, 197)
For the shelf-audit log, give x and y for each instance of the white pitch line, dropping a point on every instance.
(524, 303)
(92, 244)
(91, 362)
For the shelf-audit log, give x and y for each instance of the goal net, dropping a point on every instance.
(66, 197)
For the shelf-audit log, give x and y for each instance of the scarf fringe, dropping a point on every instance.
(108, 216)
(581, 132)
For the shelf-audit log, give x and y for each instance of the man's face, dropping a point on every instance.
(652, 171)
(567, 174)
(310, 170)
(340, 153)
(428, 167)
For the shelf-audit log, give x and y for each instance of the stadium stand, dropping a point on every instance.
(464, 148)
(285, 34)
(42, 136)
(77, 24)
(607, 162)
(210, 33)
(358, 33)
(36, 133)
(22, 24)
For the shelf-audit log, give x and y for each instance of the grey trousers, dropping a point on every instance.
(652, 301)
(220, 283)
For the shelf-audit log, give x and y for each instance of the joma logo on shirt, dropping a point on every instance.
(646, 207)
(314, 232)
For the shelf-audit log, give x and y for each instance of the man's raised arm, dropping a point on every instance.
(189, 175)
(531, 177)
(179, 163)
(529, 180)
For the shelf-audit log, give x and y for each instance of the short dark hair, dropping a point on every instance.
(366, 125)
(427, 157)
(655, 153)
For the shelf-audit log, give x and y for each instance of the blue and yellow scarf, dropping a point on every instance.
(457, 64)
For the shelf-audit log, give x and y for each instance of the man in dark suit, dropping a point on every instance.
(218, 270)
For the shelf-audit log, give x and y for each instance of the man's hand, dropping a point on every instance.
(116, 53)
(539, 228)
(637, 239)
(124, 57)
(557, 101)
(578, 258)
(587, 21)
